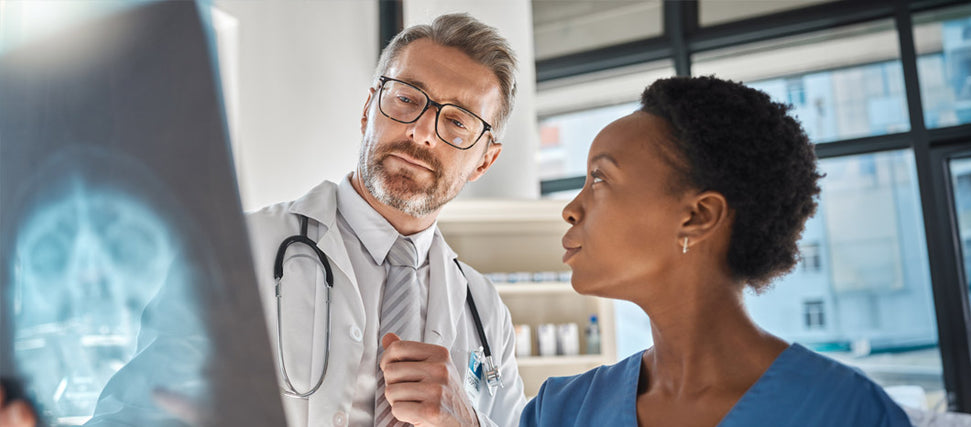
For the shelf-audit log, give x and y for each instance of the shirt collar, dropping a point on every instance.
(374, 231)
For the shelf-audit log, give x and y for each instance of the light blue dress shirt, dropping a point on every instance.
(801, 388)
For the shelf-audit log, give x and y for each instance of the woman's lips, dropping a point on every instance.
(570, 252)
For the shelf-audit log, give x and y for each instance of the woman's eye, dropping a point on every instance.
(404, 99)
(596, 177)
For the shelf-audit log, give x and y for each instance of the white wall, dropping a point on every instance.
(514, 174)
(302, 73)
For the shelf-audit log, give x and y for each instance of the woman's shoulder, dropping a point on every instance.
(604, 375)
(805, 385)
(802, 365)
(571, 399)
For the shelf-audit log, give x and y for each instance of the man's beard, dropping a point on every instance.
(399, 189)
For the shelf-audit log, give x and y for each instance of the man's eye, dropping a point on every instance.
(458, 124)
(404, 99)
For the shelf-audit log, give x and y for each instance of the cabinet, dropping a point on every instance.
(523, 236)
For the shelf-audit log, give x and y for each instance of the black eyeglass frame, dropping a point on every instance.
(438, 110)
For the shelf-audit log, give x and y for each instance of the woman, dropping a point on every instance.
(703, 191)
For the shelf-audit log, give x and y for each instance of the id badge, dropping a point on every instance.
(473, 375)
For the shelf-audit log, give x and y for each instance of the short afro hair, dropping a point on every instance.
(732, 139)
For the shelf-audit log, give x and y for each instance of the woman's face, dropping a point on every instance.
(626, 219)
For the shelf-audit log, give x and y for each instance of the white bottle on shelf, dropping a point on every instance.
(593, 336)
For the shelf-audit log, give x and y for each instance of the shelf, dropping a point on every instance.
(525, 236)
(583, 359)
(520, 288)
(505, 211)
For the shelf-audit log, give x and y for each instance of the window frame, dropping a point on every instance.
(683, 37)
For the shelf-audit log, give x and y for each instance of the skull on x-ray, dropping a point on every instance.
(88, 261)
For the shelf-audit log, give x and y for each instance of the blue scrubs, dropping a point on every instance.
(801, 388)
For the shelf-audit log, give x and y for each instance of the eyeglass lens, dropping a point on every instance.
(405, 103)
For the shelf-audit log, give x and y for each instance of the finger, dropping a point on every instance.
(388, 339)
(407, 371)
(413, 351)
(177, 405)
(422, 391)
(17, 414)
(418, 413)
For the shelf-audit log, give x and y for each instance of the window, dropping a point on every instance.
(961, 184)
(713, 12)
(862, 292)
(572, 111)
(567, 26)
(814, 314)
(870, 304)
(565, 139)
(844, 83)
(811, 258)
(943, 42)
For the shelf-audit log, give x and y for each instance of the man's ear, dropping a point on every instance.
(706, 214)
(490, 156)
(367, 104)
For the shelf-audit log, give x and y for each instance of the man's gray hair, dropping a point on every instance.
(479, 41)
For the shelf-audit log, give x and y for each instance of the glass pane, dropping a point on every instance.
(562, 27)
(862, 293)
(943, 42)
(845, 83)
(573, 110)
(961, 185)
(711, 12)
(566, 138)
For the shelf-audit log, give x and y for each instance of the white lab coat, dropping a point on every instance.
(449, 321)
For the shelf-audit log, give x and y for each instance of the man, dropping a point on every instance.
(441, 96)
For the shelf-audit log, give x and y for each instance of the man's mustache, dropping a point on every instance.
(413, 150)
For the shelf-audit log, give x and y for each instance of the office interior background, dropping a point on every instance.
(883, 87)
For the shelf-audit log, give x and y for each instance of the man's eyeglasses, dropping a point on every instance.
(405, 103)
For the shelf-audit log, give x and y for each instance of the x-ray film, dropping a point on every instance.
(128, 294)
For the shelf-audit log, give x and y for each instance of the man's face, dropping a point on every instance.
(406, 165)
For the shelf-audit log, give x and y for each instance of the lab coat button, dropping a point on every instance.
(356, 334)
(340, 418)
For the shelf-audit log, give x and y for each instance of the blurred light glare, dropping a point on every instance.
(24, 20)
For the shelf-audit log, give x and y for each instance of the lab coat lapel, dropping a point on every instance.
(446, 294)
(332, 243)
(320, 204)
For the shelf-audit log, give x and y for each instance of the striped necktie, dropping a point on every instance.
(400, 313)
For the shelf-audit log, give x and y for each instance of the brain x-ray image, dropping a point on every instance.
(125, 269)
(90, 255)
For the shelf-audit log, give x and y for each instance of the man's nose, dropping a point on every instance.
(423, 129)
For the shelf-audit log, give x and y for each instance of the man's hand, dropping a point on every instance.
(422, 386)
(16, 413)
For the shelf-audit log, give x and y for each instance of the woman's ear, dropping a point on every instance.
(706, 214)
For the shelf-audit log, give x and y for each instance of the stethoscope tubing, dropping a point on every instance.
(289, 390)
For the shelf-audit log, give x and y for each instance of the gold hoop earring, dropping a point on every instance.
(684, 248)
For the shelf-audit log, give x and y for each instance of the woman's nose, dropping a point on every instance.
(571, 212)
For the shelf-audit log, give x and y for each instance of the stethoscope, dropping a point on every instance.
(489, 368)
